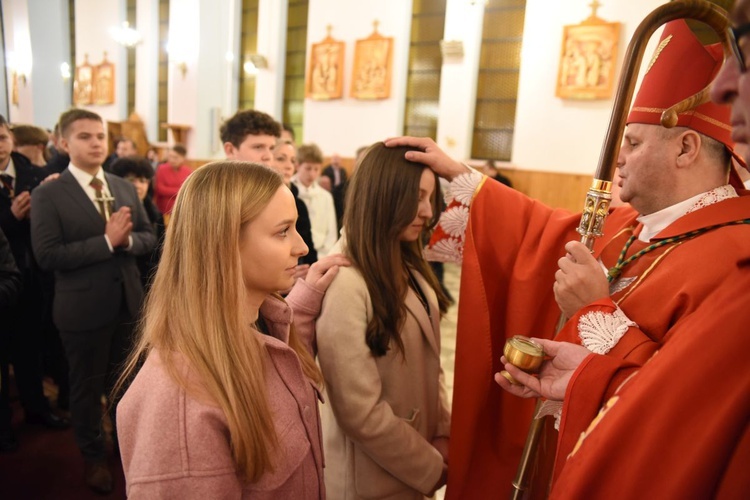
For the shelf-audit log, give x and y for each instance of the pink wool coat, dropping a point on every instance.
(175, 444)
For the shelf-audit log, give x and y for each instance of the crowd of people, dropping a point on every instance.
(288, 348)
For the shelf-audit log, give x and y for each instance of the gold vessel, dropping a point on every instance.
(523, 353)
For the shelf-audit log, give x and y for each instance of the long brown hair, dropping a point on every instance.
(381, 201)
(197, 306)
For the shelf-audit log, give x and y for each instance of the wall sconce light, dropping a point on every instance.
(65, 71)
(254, 62)
(125, 35)
(183, 67)
(179, 54)
(20, 66)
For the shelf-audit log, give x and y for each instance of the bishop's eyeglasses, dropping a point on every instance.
(735, 34)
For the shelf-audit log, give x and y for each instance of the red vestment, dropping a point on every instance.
(512, 245)
(678, 428)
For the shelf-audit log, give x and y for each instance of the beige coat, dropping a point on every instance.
(382, 413)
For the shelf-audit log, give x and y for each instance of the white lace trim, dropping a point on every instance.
(714, 196)
(462, 187)
(455, 219)
(446, 250)
(553, 408)
(600, 331)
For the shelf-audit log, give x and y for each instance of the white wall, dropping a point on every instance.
(201, 34)
(147, 66)
(93, 20)
(269, 82)
(458, 78)
(19, 56)
(558, 135)
(341, 126)
(50, 42)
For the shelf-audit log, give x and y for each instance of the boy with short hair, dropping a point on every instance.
(251, 135)
(319, 202)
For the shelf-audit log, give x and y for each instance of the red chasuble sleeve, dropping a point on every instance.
(512, 244)
(678, 428)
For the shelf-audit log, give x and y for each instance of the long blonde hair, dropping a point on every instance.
(197, 305)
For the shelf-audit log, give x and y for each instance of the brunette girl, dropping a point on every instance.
(385, 429)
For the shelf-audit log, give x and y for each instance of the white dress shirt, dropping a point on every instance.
(84, 180)
(655, 223)
(319, 203)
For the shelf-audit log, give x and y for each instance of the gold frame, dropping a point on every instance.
(325, 74)
(372, 71)
(83, 85)
(588, 60)
(104, 82)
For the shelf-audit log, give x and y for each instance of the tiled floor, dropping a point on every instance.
(452, 279)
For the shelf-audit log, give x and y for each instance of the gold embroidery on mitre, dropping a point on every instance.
(690, 112)
(661, 46)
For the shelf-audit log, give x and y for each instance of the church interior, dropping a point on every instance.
(523, 89)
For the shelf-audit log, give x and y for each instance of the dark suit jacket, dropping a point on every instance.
(57, 163)
(17, 231)
(328, 172)
(67, 235)
(10, 278)
(303, 228)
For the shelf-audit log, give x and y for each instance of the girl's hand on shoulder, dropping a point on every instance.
(322, 273)
(301, 271)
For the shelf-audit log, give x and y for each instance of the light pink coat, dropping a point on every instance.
(175, 444)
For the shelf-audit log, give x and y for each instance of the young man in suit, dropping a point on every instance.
(251, 135)
(335, 171)
(88, 227)
(22, 339)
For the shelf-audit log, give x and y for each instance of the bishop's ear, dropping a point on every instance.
(690, 146)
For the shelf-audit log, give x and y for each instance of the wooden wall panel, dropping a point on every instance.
(551, 188)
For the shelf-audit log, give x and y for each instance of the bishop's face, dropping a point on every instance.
(645, 167)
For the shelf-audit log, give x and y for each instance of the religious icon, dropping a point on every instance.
(588, 58)
(104, 82)
(371, 75)
(325, 76)
(83, 83)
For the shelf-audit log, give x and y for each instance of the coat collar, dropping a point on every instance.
(728, 210)
(429, 324)
(278, 316)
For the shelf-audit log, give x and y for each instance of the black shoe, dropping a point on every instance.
(98, 477)
(8, 442)
(48, 419)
